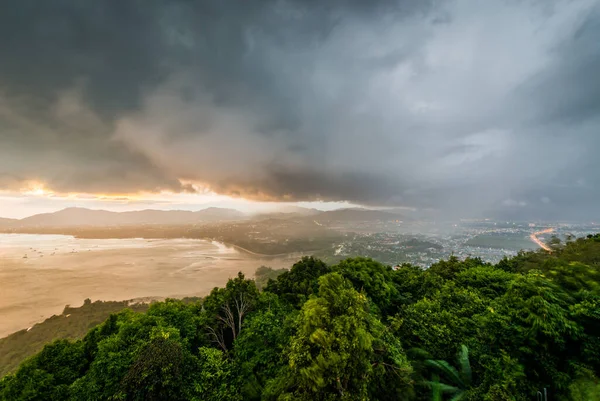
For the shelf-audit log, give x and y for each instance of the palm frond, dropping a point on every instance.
(418, 354)
(458, 396)
(444, 388)
(436, 394)
(465, 365)
(449, 372)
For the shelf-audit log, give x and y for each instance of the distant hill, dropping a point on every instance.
(357, 215)
(73, 217)
(303, 211)
(219, 214)
(288, 212)
(7, 222)
(82, 217)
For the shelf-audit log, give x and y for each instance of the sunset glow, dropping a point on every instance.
(36, 198)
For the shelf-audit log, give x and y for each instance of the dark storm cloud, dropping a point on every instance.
(563, 101)
(568, 90)
(463, 105)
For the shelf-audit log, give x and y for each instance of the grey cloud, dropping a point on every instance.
(457, 105)
(568, 90)
(70, 148)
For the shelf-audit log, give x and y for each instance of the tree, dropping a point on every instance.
(216, 378)
(48, 375)
(341, 350)
(441, 320)
(533, 323)
(132, 348)
(300, 282)
(180, 315)
(375, 279)
(227, 308)
(156, 374)
(585, 389)
(448, 269)
(260, 347)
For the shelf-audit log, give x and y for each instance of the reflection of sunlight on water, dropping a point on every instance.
(36, 245)
(193, 267)
(222, 248)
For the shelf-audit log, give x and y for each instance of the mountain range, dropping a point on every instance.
(73, 217)
(78, 217)
(356, 215)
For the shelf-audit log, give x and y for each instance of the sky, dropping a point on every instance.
(466, 107)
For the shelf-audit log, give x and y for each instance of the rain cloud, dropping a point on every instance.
(463, 106)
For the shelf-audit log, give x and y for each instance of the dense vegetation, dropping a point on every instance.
(73, 323)
(357, 330)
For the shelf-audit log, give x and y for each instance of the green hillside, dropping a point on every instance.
(73, 323)
(357, 330)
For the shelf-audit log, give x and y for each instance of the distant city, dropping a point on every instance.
(425, 243)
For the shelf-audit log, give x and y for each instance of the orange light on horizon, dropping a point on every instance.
(35, 188)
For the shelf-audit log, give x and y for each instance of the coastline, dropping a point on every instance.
(207, 239)
(265, 255)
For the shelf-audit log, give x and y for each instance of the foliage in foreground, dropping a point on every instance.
(72, 324)
(357, 330)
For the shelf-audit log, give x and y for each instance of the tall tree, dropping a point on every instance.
(227, 308)
(340, 350)
(300, 282)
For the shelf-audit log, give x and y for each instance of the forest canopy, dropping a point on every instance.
(357, 330)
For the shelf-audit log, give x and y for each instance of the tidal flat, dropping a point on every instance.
(40, 274)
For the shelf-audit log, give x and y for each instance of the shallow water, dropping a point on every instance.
(40, 274)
